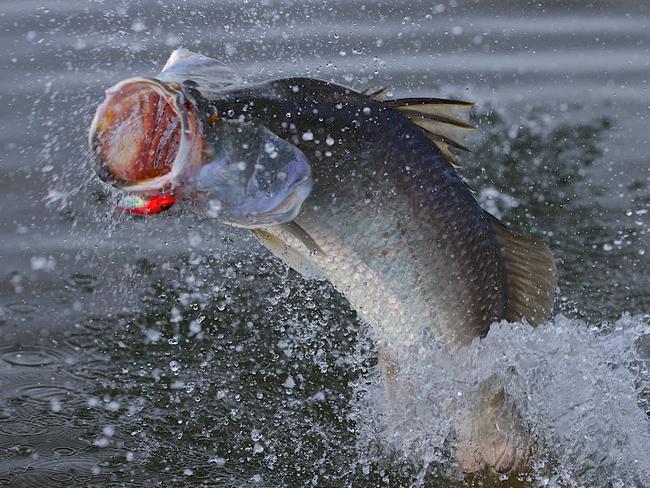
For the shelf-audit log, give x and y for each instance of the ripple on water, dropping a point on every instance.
(64, 451)
(7, 479)
(92, 370)
(48, 472)
(21, 449)
(82, 282)
(81, 340)
(30, 356)
(45, 393)
(22, 429)
(21, 308)
(60, 477)
(98, 324)
(51, 420)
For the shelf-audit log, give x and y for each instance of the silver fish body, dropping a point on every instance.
(395, 229)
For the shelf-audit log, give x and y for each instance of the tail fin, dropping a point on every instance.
(531, 275)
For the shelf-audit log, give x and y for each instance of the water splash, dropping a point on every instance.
(581, 390)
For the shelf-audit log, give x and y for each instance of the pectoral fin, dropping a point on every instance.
(531, 275)
(293, 246)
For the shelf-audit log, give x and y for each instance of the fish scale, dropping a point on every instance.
(442, 237)
(417, 277)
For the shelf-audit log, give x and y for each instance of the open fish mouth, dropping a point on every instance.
(146, 136)
(149, 140)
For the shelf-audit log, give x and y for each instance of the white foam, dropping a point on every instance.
(579, 388)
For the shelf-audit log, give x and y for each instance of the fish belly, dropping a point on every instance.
(408, 275)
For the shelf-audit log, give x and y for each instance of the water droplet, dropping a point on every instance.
(55, 405)
(219, 461)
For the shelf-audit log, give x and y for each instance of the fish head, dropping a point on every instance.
(158, 141)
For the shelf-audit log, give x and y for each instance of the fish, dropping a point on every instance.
(352, 187)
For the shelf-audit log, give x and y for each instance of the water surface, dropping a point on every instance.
(173, 351)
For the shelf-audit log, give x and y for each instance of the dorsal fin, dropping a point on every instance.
(380, 94)
(531, 275)
(446, 122)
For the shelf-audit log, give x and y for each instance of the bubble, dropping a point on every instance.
(101, 442)
(138, 26)
(44, 263)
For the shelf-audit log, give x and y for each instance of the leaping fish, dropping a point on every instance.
(351, 187)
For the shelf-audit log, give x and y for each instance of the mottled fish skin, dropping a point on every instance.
(400, 235)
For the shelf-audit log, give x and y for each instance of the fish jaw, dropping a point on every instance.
(146, 138)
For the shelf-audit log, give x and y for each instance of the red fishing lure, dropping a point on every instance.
(137, 204)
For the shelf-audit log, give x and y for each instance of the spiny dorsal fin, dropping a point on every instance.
(531, 275)
(444, 146)
(380, 94)
(446, 122)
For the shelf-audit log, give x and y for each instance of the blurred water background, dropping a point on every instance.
(172, 351)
